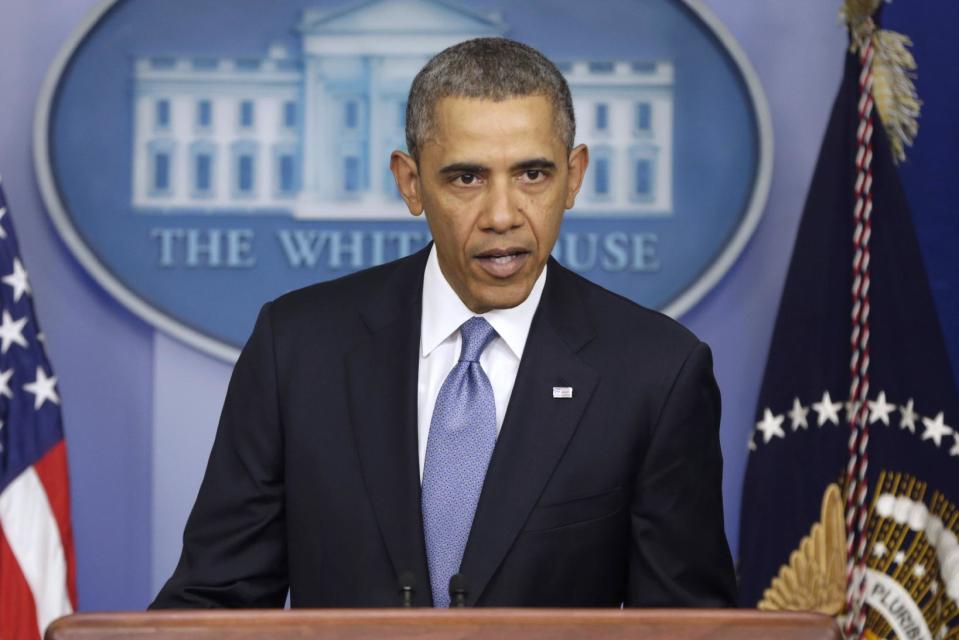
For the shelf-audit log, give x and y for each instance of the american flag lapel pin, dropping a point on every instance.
(562, 392)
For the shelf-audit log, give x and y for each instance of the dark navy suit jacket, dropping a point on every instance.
(607, 497)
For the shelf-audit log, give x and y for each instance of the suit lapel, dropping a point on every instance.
(536, 430)
(382, 377)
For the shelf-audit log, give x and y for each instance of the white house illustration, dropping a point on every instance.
(308, 133)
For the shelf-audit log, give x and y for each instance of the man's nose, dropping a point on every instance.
(501, 211)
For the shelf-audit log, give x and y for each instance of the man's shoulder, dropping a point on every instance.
(640, 351)
(624, 321)
(353, 293)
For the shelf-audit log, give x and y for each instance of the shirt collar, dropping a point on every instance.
(444, 312)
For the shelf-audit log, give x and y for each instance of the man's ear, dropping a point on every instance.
(578, 161)
(407, 178)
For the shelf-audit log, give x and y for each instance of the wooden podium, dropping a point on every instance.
(458, 624)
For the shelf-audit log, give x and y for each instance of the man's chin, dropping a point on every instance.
(502, 297)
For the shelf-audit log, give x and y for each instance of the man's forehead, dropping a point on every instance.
(524, 125)
(458, 109)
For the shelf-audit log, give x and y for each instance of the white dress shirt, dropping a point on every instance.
(440, 343)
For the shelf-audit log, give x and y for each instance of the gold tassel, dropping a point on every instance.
(893, 74)
(894, 91)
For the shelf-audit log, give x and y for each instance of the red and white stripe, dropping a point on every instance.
(858, 464)
(37, 563)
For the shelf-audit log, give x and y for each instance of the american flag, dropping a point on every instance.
(37, 567)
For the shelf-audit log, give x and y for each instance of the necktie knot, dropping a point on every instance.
(477, 334)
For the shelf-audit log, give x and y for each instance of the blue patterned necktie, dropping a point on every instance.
(458, 449)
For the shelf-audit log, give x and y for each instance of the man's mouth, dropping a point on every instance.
(503, 263)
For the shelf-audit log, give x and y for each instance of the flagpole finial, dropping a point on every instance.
(857, 16)
(893, 72)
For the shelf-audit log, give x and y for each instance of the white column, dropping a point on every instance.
(378, 125)
(663, 134)
(181, 132)
(141, 159)
(224, 133)
(267, 124)
(311, 130)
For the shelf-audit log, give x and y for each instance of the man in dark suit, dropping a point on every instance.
(473, 409)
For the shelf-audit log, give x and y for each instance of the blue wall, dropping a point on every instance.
(140, 408)
(102, 355)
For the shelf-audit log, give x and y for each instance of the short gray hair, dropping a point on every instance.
(487, 68)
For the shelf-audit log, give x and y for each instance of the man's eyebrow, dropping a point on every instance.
(525, 165)
(535, 163)
(463, 167)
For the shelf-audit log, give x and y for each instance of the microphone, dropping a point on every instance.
(458, 591)
(407, 586)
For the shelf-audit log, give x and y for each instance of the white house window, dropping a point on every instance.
(160, 176)
(644, 117)
(351, 114)
(644, 177)
(204, 114)
(202, 159)
(353, 149)
(244, 169)
(161, 171)
(163, 62)
(643, 159)
(162, 114)
(602, 116)
(204, 167)
(247, 64)
(244, 180)
(204, 64)
(351, 174)
(286, 171)
(246, 113)
(601, 168)
(289, 114)
(601, 177)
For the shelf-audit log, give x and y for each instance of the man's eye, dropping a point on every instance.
(533, 175)
(466, 179)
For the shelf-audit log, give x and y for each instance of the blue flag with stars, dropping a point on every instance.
(795, 547)
(794, 544)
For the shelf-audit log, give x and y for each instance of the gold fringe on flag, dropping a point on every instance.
(894, 72)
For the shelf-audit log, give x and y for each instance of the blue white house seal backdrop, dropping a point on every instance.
(240, 149)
